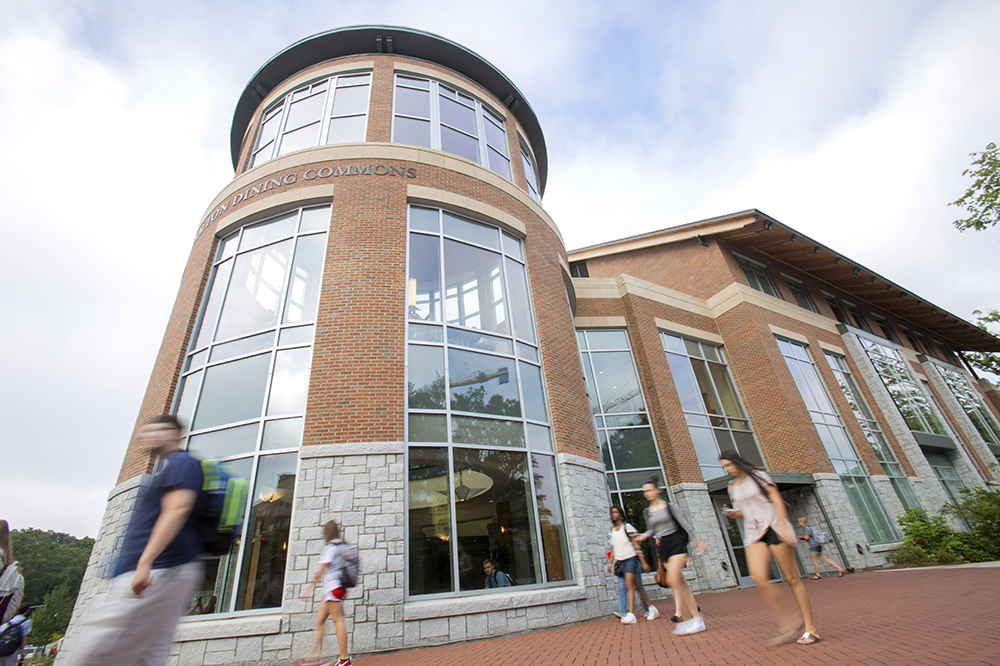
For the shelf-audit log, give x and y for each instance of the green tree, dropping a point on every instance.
(982, 200)
(51, 621)
(990, 362)
(49, 559)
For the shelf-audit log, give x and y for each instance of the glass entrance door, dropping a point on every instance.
(732, 531)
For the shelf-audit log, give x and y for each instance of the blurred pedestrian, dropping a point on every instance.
(816, 539)
(628, 563)
(769, 533)
(19, 627)
(157, 569)
(331, 573)
(666, 523)
(11, 580)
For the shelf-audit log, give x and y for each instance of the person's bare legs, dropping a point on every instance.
(815, 558)
(759, 561)
(833, 564)
(675, 578)
(630, 590)
(785, 557)
(319, 631)
(337, 613)
(641, 590)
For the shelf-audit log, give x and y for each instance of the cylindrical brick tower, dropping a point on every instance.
(375, 326)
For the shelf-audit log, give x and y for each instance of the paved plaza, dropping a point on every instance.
(918, 617)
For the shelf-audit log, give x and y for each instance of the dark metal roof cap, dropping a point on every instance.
(387, 40)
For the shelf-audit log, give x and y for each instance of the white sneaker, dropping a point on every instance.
(629, 618)
(692, 626)
(652, 613)
(617, 614)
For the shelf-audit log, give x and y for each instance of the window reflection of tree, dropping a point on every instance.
(496, 524)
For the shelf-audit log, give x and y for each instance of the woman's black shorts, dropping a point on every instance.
(673, 544)
(771, 537)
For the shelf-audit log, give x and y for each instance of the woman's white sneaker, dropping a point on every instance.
(692, 626)
(652, 613)
(629, 618)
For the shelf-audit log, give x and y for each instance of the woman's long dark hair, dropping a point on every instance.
(739, 461)
(5, 543)
(621, 512)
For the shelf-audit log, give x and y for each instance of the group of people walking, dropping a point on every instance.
(768, 534)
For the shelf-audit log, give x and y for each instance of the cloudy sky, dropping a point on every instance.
(849, 121)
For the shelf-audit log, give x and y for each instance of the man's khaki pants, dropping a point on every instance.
(132, 631)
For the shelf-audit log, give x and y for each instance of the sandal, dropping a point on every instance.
(818, 577)
(676, 619)
(841, 574)
(785, 637)
(808, 639)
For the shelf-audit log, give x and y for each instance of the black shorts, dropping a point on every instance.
(673, 544)
(771, 537)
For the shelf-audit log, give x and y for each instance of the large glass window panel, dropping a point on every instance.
(304, 283)
(189, 393)
(428, 428)
(242, 346)
(300, 139)
(411, 102)
(266, 233)
(216, 295)
(550, 519)
(458, 115)
(305, 111)
(290, 382)
(610, 339)
(686, 384)
(474, 296)
(487, 432)
(224, 443)
(470, 231)
(424, 282)
(425, 378)
(533, 395)
(633, 447)
(970, 402)
(412, 131)
(429, 520)
(520, 310)
(315, 219)
(617, 382)
(539, 437)
(282, 434)
(266, 545)
(481, 383)
(459, 143)
(349, 129)
(476, 340)
(232, 392)
(350, 101)
(216, 593)
(256, 291)
(295, 336)
(494, 514)
(425, 219)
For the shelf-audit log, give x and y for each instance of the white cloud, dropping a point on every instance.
(849, 121)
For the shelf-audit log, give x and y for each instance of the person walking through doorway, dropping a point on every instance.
(769, 533)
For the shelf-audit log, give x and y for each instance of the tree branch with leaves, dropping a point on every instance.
(982, 200)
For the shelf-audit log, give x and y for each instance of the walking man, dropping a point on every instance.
(157, 571)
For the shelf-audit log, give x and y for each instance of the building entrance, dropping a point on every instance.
(732, 532)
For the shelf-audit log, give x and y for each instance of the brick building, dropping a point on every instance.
(379, 323)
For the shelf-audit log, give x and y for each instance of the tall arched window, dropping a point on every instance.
(482, 482)
(243, 391)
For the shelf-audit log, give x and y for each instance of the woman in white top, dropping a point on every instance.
(625, 550)
(768, 533)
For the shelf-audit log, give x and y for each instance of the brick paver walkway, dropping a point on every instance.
(917, 617)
